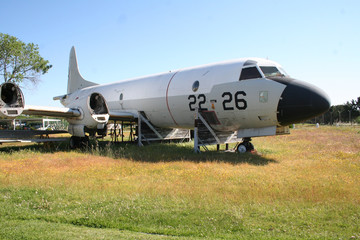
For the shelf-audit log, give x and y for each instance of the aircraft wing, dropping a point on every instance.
(51, 111)
(121, 115)
(65, 112)
(72, 112)
(35, 140)
(17, 134)
(27, 136)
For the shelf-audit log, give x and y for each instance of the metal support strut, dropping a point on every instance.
(196, 132)
(139, 130)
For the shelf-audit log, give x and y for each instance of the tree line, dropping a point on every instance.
(344, 113)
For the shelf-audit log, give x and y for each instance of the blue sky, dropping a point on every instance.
(315, 41)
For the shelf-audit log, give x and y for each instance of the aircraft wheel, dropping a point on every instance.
(245, 147)
(241, 148)
(249, 146)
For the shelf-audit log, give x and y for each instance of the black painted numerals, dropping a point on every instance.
(193, 100)
(240, 103)
(229, 101)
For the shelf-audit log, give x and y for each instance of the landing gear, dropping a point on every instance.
(245, 146)
(79, 142)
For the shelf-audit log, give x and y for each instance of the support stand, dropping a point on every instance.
(139, 131)
(196, 132)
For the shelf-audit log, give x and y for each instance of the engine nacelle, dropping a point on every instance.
(94, 115)
(11, 100)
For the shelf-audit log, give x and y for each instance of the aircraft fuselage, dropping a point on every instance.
(231, 100)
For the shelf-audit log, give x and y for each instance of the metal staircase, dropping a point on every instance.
(148, 132)
(205, 135)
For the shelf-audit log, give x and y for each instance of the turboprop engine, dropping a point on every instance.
(94, 115)
(11, 101)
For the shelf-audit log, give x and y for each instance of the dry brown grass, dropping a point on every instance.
(310, 165)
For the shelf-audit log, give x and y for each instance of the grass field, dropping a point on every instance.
(300, 186)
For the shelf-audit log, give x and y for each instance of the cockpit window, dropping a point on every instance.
(271, 71)
(250, 73)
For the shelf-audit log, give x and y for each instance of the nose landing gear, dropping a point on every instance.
(245, 146)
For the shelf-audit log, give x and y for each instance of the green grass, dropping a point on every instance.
(301, 186)
(37, 212)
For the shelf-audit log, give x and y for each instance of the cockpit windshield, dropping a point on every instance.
(272, 71)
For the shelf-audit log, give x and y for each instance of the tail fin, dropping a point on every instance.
(75, 80)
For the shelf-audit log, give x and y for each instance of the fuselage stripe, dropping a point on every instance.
(167, 100)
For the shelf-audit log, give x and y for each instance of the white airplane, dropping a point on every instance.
(250, 97)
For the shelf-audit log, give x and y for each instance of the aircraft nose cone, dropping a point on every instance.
(300, 101)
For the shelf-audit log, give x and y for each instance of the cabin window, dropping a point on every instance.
(250, 73)
(195, 86)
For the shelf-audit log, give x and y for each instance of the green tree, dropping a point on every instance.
(344, 112)
(20, 61)
(356, 103)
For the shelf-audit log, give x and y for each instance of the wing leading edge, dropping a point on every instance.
(65, 112)
(52, 111)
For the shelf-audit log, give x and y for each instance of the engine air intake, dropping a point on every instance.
(11, 100)
(97, 104)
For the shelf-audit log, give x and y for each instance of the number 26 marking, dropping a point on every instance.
(240, 103)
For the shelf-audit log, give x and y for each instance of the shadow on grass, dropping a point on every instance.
(35, 147)
(153, 153)
(170, 152)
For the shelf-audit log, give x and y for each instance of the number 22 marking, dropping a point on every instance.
(193, 100)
